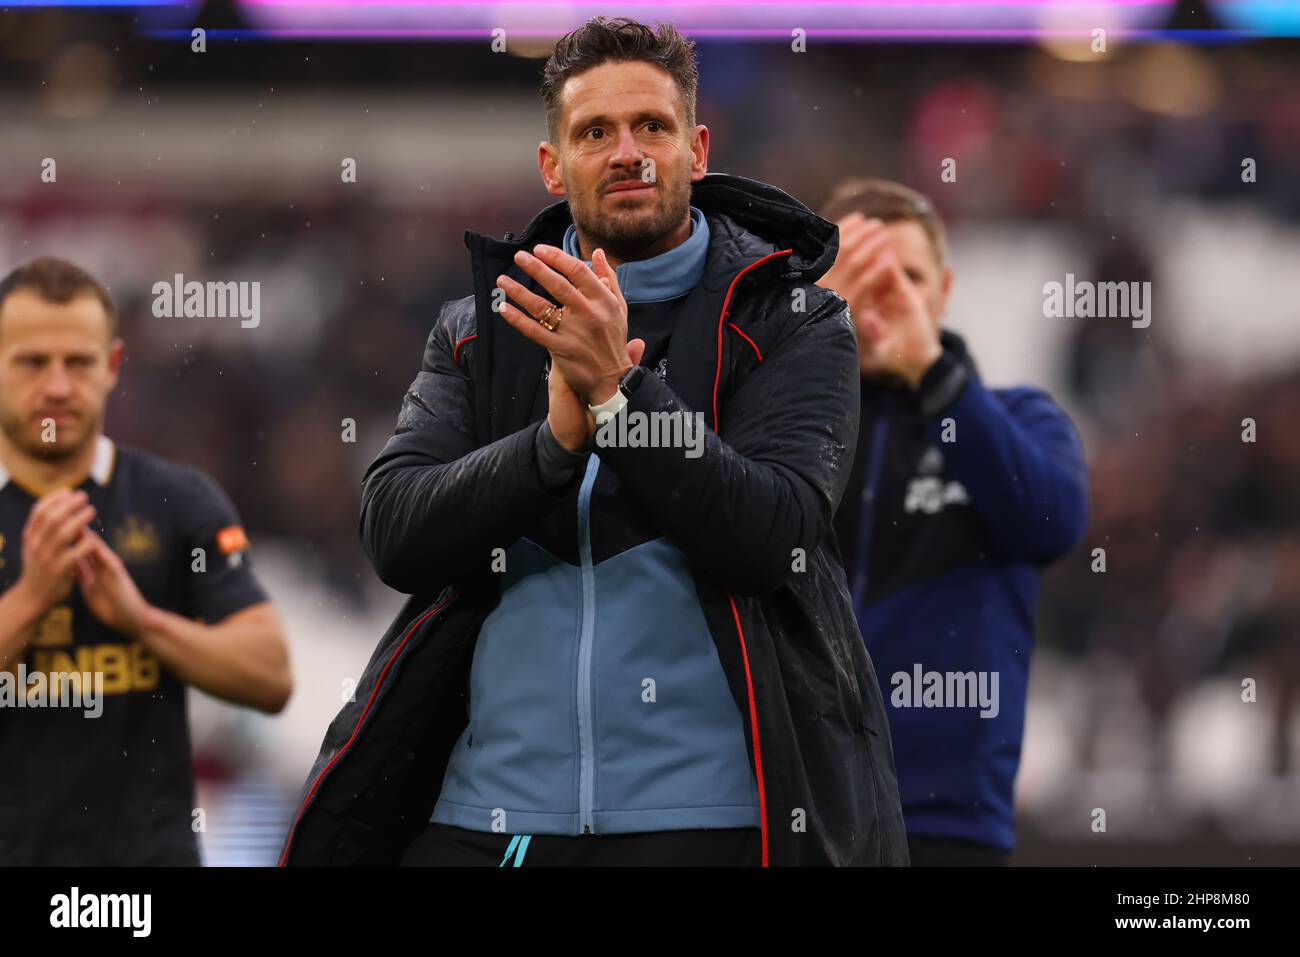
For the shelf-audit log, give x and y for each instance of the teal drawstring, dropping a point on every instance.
(520, 843)
(514, 842)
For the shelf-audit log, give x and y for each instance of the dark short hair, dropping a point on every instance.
(58, 281)
(619, 39)
(889, 202)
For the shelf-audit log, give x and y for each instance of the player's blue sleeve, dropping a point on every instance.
(1019, 458)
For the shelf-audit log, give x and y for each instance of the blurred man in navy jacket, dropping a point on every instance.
(959, 495)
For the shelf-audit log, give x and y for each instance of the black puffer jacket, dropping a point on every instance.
(771, 359)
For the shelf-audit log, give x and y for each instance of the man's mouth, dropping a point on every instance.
(63, 415)
(631, 187)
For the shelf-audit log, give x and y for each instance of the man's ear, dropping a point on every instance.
(945, 290)
(699, 152)
(548, 164)
(116, 348)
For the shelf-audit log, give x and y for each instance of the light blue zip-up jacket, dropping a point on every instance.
(597, 702)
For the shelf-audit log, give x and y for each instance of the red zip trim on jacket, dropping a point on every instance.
(717, 376)
(741, 333)
(455, 353)
(735, 612)
(753, 724)
(357, 729)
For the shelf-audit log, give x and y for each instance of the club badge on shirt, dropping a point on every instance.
(137, 540)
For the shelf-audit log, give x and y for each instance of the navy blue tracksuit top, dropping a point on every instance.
(959, 495)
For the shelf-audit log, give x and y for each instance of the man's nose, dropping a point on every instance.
(57, 382)
(627, 151)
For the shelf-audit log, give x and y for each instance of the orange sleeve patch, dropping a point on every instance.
(231, 539)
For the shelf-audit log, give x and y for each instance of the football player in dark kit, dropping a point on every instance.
(123, 578)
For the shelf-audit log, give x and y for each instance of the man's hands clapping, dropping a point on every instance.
(589, 348)
(896, 335)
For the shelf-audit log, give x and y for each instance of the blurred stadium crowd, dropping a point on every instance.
(1129, 169)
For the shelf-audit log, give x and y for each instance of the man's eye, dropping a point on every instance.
(595, 129)
(655, 123)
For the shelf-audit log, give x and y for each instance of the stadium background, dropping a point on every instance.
(1125, 166)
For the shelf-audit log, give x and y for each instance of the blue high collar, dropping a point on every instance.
(666, 276)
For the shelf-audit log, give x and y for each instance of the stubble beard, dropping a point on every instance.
(13, 427)
(627, 234)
